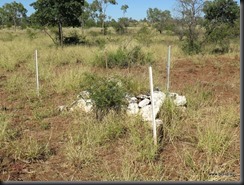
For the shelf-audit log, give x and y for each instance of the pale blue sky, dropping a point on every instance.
(137, 8)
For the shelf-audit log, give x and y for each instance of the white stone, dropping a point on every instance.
(159, 98)
(89, 105)
(81, 103)
(132, 109)
(84, 95)
(133, 100)
(146, 111)
(62, 108)
(178, 100)
(84, 105)
(143, 103)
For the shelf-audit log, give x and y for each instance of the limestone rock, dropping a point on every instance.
(132, 109)
(82, 104)
(144, 106)
(142, 97)
(62, 108)
(84, 95)
(85, 105)
(133, 100)
(143, 103)
(178, 100)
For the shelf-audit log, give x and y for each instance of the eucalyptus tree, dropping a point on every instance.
(222, 22)
(99, 7)
(13, 13)
(189, 12)
(58, 13)
(159, 19)
(124, 9)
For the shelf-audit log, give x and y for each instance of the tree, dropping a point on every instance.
(121, 26)
(161, 20)
(87, 17)
(100, 6)
(222, 18)
(188, 13)
(13, 13)
(221, 11)
(58, 12)
(124, 9)
(2, 17)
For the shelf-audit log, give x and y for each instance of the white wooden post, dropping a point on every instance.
(168, 70)
(152, 104)
(37, 75)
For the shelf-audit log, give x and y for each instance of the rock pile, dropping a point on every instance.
(139, 105)
(142, 105)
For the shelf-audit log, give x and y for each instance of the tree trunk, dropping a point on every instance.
(14, 24)
(103, 27)
(60, 33)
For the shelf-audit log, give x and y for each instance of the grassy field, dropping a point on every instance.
(39, 143)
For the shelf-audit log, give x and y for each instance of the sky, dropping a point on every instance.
(137, 8)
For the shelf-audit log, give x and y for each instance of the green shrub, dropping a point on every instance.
(144, 36)
(119, 58)
(106, 93)
(191, 48)
(75, 38)
(124, 58)
(121, 26)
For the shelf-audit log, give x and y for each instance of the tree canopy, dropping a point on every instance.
(221, 11)
(124, 8)
(161, 20)
(12, 13)
(222, 22)
(99, 7)
(189, 12)
(58, 12)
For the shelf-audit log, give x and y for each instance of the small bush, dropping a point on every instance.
(191, 48)
(121, 26)
(106, 93)
(144, 36)
(124, 58)
(74, 38)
